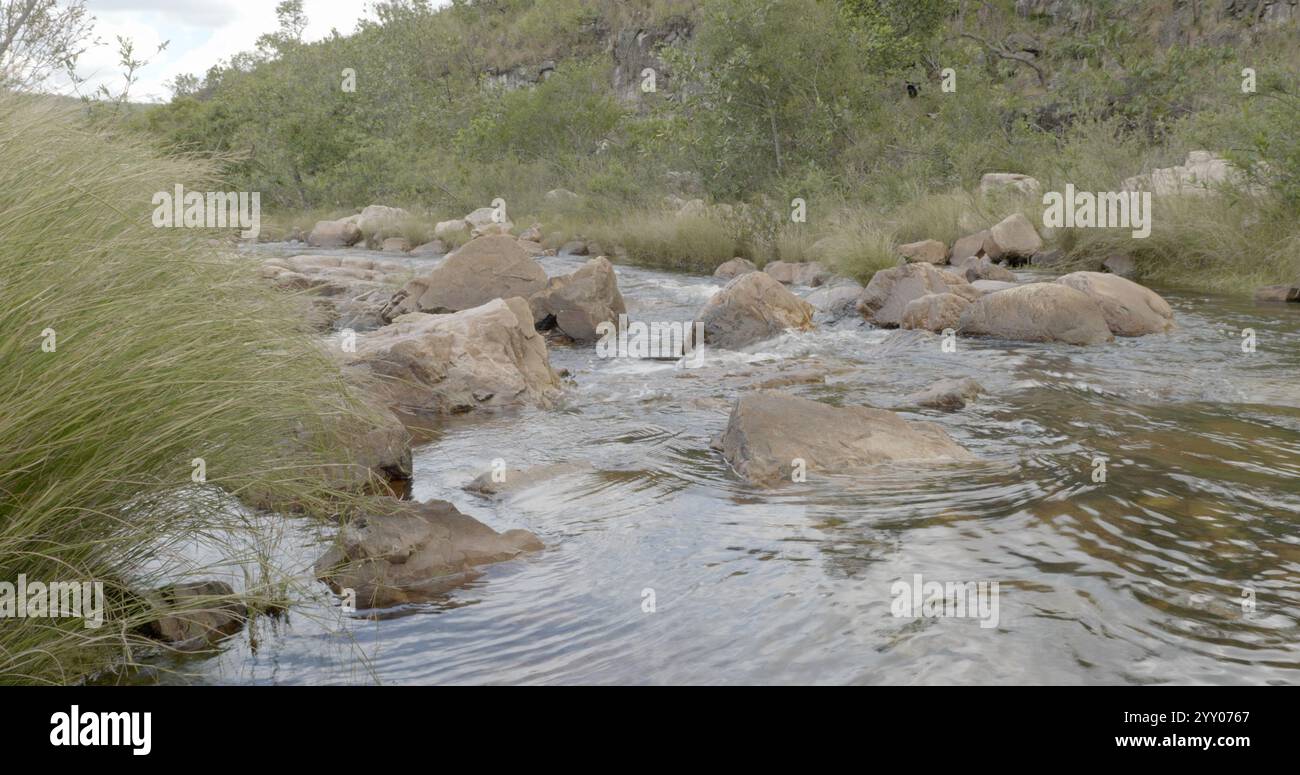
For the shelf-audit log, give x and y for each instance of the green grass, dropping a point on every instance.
(164, 351)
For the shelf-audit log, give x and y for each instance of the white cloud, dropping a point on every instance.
(201, 33)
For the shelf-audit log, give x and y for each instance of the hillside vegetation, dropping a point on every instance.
(837, 102)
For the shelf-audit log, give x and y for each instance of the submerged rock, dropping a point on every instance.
(752, 308)
(769, 431)
(514, 480)
(948, 394)
(201, 613)
(1130, 309)
(1038, 312)
(400, 552)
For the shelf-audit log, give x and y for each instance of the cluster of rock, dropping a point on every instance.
(1199, 175)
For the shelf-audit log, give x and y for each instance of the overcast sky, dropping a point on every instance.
(201, 33)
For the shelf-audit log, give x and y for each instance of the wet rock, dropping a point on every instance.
(769, 430)
(513, 480)
(201, 613)
(811, 273)
(934, 312)
(835, 302)
(399, 552)
(1124, 266)
(483, 269)
(929, 251)
(887, 295)
(994, 182)
(490, 356)
(729, 270)
(1130, 309)
(1278, 293)
(752, 308)
(1038, 312)
(334, 234)
(1013, 239)
(948, 394)
(576, 304)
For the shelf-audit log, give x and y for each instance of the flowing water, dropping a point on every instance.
(1146, 577)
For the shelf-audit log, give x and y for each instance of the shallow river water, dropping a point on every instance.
(1147, 577)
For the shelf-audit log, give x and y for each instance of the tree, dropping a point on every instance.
(39, 38)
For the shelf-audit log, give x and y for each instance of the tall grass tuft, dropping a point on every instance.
(128, 352)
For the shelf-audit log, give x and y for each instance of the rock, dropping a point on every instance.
(890, 290)
(835, 302)
(451, 230)
(395, 245)
(531, 249)
(402, 552)
(983, 268)
(993, 182)
(378, 222)
(992, 286)
(1278, 293)
(968, 246)
(1047, 260)
(1130, 309)
(948, 394)
(576, 304)
(930, 251)
(752, 308)
(1124, 266)
(486, 357)
(346, 291)
(1014, 238)
(434, 247)
(1198, 175)
(532, 233)
(769, 430)
(561, 196)
(485, 268)
(934, 312)
(734, 268)
(334, 234)
(811, 273)
(200, 614)
(513, 480)
(575, 247)
(484, 221)
(1037, 312)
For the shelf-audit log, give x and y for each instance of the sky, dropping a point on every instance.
(201, 32)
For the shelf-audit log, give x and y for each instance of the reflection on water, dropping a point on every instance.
(1139, 578)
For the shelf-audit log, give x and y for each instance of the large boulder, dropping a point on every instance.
(729, 270)
(931, 251)
(1130, 309)
(334, 234)
(485, 268)
(890, 290)
(1014, 239)
(993, 182)
(576, 304)
(486, 357)
(934, 312)
(1038, 312)
(968, 246)
(835, 302)
(752, 308)
(397, 552)
(769, 431)
(810, 273)
(451, 230)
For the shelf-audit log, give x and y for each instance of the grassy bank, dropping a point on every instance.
(128, 354)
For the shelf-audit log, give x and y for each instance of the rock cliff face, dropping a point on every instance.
(635, 49)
